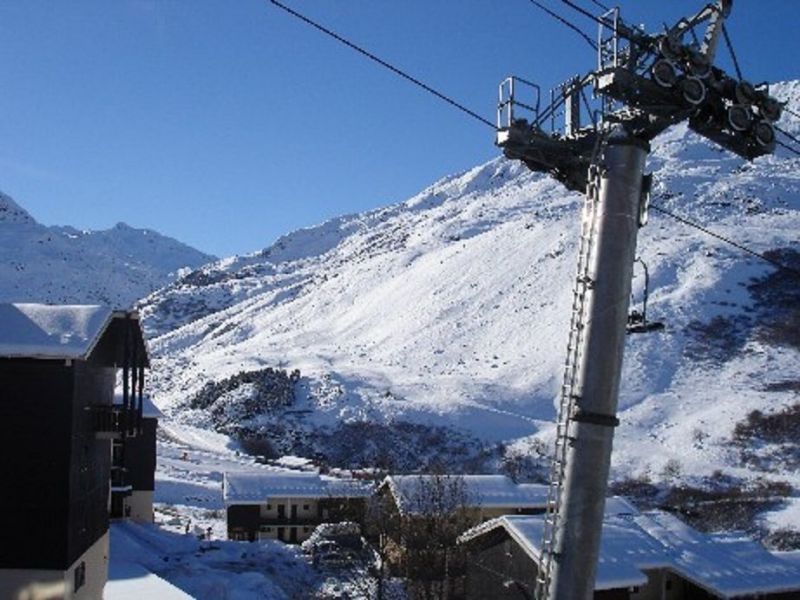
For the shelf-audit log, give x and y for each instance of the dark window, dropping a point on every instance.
(305, 506)
(80, 576)
(668, 584)
(269, 506)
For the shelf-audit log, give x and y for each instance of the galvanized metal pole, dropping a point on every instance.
(592, 424)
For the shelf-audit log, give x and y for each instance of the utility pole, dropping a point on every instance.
(646, 83)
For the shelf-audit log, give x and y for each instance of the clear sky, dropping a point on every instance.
(226, 123)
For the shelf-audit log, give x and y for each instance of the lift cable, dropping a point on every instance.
(600, 5)
(567, 23)
(788, 147)
(729, 44)
(586, 13)
(787, 134)
(743, 248)
(790, 111)
(476, 116)
(383, 63)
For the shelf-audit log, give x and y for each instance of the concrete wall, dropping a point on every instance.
(33, 584)
(139, 506)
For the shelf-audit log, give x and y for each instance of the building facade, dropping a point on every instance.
(288, 505)
(133, 467)
(58, 367)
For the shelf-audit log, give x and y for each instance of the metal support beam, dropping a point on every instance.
(592, 425)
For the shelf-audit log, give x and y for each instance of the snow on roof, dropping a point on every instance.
(257, 486)
(728, 565)
(53, 332)
(149, 410)
(130, 581)
(725, 565)
(485, 491)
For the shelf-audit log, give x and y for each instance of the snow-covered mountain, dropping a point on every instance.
(64, 265)
(451, 310)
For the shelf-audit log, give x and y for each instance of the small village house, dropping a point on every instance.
(58, 367)
(643, 556)
(288, 505)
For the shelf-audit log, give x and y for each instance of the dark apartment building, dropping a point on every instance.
(59, 366)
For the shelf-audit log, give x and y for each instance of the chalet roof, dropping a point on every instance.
(254, 487)
(483, 491)
(727, 566)
(58, 332)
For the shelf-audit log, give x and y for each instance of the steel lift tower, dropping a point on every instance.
(643, 84)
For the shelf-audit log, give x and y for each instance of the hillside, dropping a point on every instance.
(64, 265)
(434, 330)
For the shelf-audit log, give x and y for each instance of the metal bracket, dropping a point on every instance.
(584, 416)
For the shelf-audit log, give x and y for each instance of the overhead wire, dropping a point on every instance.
(787, 147)
(600, 5)
(553, 107)
(791, 112)
(565, 22)
(787, 134)
(383, 63)
(727, 240)
(586, 13)
(729, 44)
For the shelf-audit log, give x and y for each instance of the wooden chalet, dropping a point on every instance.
(58, 368)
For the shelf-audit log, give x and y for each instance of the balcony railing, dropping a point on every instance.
(112, 420)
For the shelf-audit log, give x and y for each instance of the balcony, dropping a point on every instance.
(112, 421)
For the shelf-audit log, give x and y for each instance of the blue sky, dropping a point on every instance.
(226, 124)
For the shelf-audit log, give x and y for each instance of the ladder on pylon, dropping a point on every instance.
(568, 396)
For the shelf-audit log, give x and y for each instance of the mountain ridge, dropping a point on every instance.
(65, 265)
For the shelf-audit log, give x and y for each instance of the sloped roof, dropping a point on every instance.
(58, 332)
(42, 331)
(479, 491)
(728, 566)
(254, 487)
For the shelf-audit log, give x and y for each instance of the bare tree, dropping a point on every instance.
(418, 539)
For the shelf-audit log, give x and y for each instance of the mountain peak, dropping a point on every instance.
(11, 212)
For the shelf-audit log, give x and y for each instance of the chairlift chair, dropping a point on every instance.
(637, 321)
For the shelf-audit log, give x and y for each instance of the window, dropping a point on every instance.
(305, 506)
(80, 576)
(668, 584)
(269, 506)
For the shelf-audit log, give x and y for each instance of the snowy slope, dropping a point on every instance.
(452, 309)
(62, 265)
